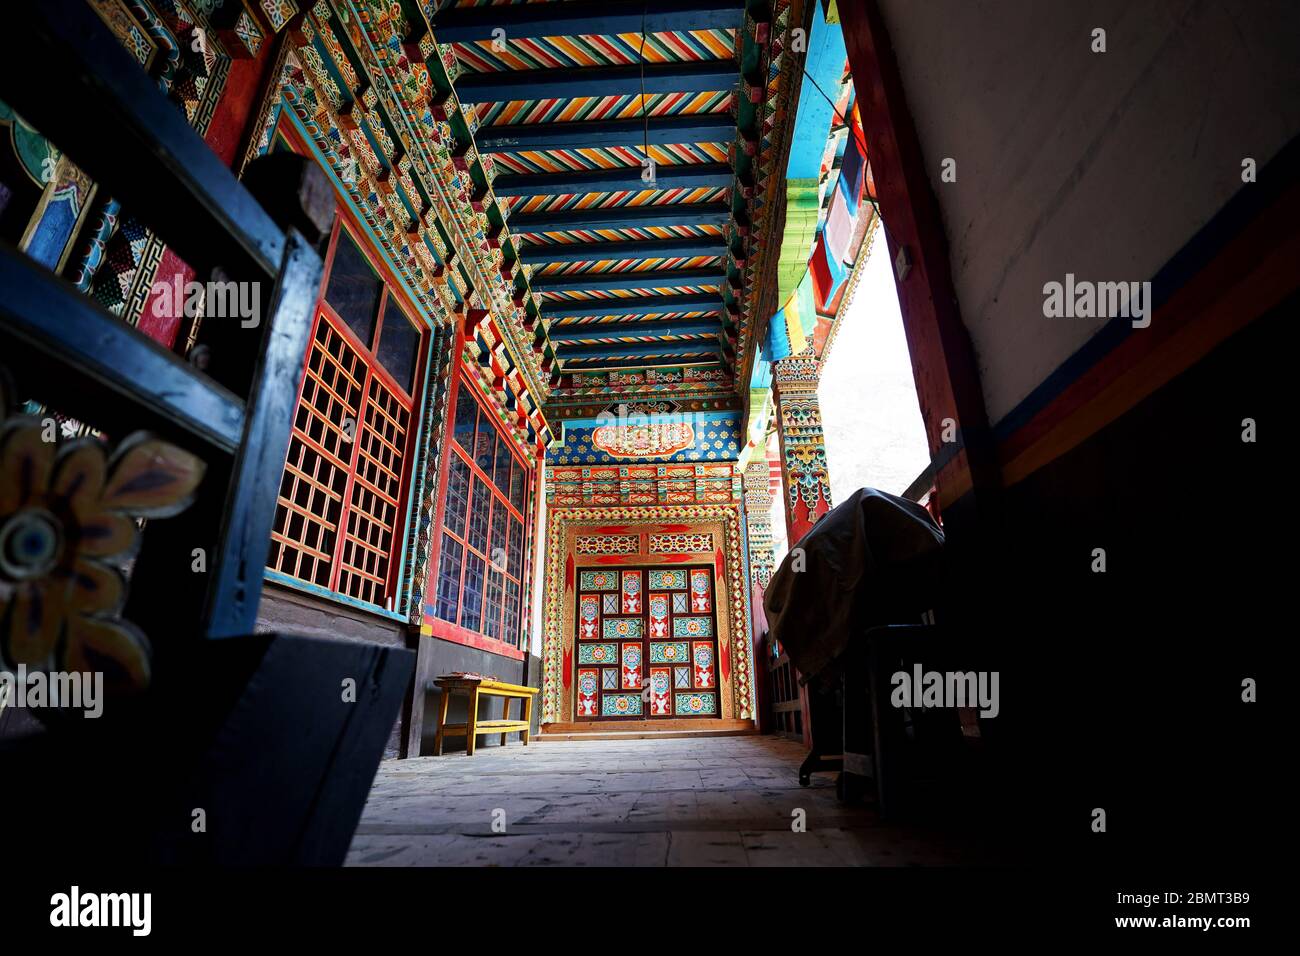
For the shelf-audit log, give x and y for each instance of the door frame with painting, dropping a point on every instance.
(646, 643)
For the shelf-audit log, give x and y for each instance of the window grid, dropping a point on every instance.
(339, 509)
(480, 588)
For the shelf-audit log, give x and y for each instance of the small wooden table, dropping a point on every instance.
(476, 687)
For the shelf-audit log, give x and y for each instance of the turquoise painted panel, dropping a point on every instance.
(597, 654)
(667, 580)
(621, 705)
(690, 705)
(622, 628)
(692, 627)
(669, 653)
(598, 581)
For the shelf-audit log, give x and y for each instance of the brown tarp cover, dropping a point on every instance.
(875, 559)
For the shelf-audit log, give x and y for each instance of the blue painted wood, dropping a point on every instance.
(636, 217)
(604, 365)
(560, 335)
(701, 347)
(515, 138)
(617, 251)
(124, 380)
(710, 76)
(653, 305)
(823, 66)
(697, 176)
(70, 78)
(613, 281)
(525, 21)
(235, 571)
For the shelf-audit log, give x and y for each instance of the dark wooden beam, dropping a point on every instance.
(943, 358)
(698, 176)
(637, 350)
(119, 370)
(606, 365)
(623, 217)
(71, 79)
(618, 251)
(659, 130)
(527, 21)
(653, 305)
(614, 281)
(561, 335)
(562, 84)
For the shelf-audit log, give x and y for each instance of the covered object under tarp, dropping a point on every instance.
(875, 559)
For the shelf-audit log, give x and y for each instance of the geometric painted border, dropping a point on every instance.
(560, 595)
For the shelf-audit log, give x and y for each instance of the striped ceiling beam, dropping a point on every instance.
(533, 20)
(623, 217)
(660, 130)
(621, 350)
(607, 365)
(711, 76)
(587, 333)
(658, 305)
(696, 176)
(613, 281)
(620, 251)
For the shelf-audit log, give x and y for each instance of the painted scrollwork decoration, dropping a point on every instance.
(68, 513)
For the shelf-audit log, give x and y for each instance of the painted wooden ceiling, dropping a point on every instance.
(633, 266)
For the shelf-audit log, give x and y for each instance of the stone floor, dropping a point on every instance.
(719, 801)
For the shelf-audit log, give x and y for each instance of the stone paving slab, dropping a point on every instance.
(716, 801)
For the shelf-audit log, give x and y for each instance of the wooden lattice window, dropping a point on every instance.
(342, 498)
(482, 568)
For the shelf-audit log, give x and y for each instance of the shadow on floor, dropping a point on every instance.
(720, 801)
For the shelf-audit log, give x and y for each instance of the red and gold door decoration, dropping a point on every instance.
(647, 644)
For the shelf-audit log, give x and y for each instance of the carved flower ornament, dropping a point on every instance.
(67, 524)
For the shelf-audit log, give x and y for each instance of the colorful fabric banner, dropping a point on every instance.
(790, 327)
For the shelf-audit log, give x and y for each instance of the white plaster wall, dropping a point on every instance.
(1103, 165)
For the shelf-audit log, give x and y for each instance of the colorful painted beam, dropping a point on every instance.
(614, 281)
(587, 333)
(623, 217)
(623, 350)
(655, 305)
(630, 178)
(660, 130)
(608, 365)
(529, 21)
(710, 76)
(621, 251)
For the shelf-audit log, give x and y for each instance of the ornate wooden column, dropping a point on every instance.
(802, 444)
(758, 519)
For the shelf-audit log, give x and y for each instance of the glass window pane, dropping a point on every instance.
(485, 451)
(449, 578)
(514, 566)
(399, 345)
(478, 517)
(458, 479)
(512, 613)
(354, 289)
(502, 476)
(492, 607)
(466, 413)
(517, 481)
(500, 547)
(472, 598)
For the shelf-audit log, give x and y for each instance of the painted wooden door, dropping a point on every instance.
(646, 643)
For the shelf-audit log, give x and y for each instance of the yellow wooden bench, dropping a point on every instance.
(477, 687)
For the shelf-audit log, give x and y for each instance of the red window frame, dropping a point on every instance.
(374, 370)
(448, 630)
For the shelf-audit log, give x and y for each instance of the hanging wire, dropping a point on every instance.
(835, 109)
(645, 117)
